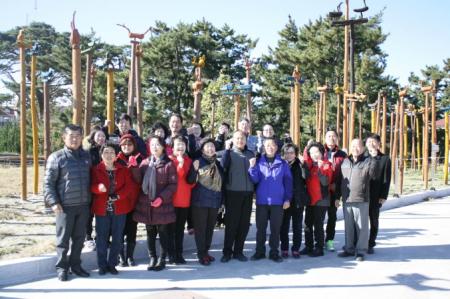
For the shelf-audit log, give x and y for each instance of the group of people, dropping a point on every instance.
(179, 177)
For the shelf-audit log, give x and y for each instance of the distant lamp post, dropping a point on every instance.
(236, 90)
(89, 87)
(45, 77)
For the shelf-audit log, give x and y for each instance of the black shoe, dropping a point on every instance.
(113, 270)
(152, 263)
(306, 251)
(276, 258)
(240, 257)
(123, 263)
(161, 264)
(102, 271)
(345, 254)
(316, 252)
(179, 260)
(225, 258)
(258, 256)
(80, 272)
(370, 250)
(359, 257)
(131, 262)
(62, 276)
(172, 260)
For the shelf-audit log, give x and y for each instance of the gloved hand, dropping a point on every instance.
(157, 202)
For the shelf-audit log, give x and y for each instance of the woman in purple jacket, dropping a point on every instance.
(154, 206)
(273, 193)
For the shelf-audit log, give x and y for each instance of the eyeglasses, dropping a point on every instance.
(290, 152)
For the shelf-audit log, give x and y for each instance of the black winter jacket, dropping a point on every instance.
(67, 178)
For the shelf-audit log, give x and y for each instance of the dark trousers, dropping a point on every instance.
(176, 232)
(129, 235)
(204, 220)
(374, 215)
(314, 217)
(104, 225)
(237, 221)
(296, 214)
(152, 232)
(190, 221)
(264, 214)
(331, 222)
(70, 227)
(89, 227)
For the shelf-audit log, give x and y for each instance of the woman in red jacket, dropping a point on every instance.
(182, 197)
(113, 192)
(317, 184)
(130, 157)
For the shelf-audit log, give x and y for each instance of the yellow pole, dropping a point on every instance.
(419, 162)
(34, 124)
(425, 142)
(297, 117)
(372, 120)
(237, 110)
(405, 139)
(345, 125)
(383, 126)
(344, 122)
(23, 113)
(446, 149)
(110, 100)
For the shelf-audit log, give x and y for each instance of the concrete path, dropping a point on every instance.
(412, 260)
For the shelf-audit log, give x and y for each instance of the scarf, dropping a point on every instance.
(149, 181)
(209, 175)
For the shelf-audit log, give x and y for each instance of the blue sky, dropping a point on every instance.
(418, 30)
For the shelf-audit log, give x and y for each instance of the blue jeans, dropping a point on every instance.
(103, 226)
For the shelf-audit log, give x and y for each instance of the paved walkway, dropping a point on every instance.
(412, 260)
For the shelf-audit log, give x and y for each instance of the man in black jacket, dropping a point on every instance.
(67, 192)
(379, 186)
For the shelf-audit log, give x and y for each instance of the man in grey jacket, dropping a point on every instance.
(67, 192)
(239, 197)
(357, 170)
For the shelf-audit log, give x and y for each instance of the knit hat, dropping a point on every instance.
(127, 136)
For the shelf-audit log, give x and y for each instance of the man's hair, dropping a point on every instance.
(226, 125)
(177, 115)
(72, 127)
(374, 136)
(126, 117)
(334, 131)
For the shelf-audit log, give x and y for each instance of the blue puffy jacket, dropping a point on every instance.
(274, 181)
